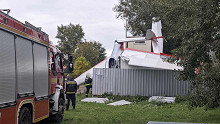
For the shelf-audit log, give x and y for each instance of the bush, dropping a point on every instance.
(181, 99)
(206, 86)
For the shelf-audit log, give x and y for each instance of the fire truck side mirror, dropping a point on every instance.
(70, 58)
(70, 66)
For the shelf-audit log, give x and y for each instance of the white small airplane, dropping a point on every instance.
(136, 53)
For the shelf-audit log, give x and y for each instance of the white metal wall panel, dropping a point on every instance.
(7, 68)
(24, 58)
(143, 82)
(41, 82)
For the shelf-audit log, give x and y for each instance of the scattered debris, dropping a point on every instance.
(162, 99)
(121, 102)
(95, 99)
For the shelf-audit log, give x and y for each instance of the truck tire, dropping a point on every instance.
(58, 117)
(24, 116)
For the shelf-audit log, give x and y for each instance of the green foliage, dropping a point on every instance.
(139, 14)
(180, 99)
(71, 41)
(69, 36)
(157, 103)
(199, 50)
(192, 31)
(101, 51)
(92, 51)
(81, 65)
(206, 86)
(180, 18)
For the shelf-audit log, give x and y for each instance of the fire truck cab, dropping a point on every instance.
(31, 74)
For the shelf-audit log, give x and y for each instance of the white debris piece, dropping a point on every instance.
(154, 122)
(162, 99)
(97, 100)
(121, 102)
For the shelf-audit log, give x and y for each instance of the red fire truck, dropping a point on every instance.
(31, 74)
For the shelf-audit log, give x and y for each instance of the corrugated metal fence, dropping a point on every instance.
(142, 82)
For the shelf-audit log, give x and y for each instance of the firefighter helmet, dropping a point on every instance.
(88, 75)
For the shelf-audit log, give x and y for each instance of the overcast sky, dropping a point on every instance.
(95, 16)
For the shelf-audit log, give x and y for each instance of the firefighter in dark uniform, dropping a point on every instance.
(71, 88)
(88, 83)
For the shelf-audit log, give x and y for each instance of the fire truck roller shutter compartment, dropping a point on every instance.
(7, 68)
(40, 70)
(24, 58)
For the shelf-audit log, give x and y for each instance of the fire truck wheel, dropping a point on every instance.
(61, 106)
(24, 116)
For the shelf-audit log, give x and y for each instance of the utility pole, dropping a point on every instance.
(126, 30)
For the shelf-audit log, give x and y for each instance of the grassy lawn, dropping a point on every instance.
(139, 112)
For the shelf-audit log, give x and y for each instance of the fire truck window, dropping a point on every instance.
(52, 63)
(59, 62)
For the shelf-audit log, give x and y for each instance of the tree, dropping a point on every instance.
(199, 33)
(101, 51)
(92, 51)
(81, 65)
(71, 41)
(192, 29)
(175, 15)
(69, 37)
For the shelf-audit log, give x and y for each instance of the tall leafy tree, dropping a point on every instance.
(92, 51)
(192, 29)
(71, 41)
(69, 37)
(101, 51)
(81, 65)
(175, 16)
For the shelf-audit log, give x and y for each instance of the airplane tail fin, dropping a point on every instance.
(155, 34)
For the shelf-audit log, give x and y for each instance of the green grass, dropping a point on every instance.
(137, 113)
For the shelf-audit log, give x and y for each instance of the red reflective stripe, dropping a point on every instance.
(157, 37)
(121, 47)
(164, 54)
